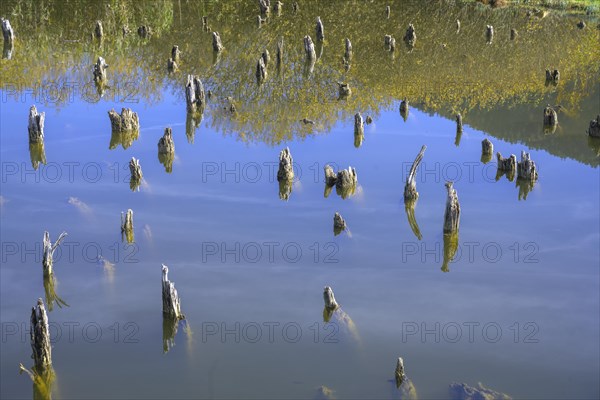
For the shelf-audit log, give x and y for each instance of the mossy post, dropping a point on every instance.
(410, 188)
(36, 125)
(48, 252)
(452, 213)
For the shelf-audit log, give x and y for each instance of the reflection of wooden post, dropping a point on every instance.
(217, 45)
(329, 298)
(286, 169)
(40, 338)
(339, 224)
(452, 214)
(409, 207)
(399, 373)
(459, 124)
(98, 30)
(100, 70)
(170, 298)
(404, 109)
(594, 129)
(320, 30)
(36, 125)
(410, 188)
(49, 250)
(450, 248)
(526, 168)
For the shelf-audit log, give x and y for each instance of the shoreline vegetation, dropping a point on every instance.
(589, 7)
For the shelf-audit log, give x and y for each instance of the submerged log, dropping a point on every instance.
(550, 116)
(594, 129)
(279, 54)
(100, 70)
(399, 373)
(329, 299)
(261, 70)
(127, 121)
(410, 37)
(309, 48)
(526, 168)
(339, 224)
(98, 30)
(452, 213)
(136, 173)
(194, 95)
(410, 188)
(489, 33)
(286, 169)
(217, 45)
(170, 298)
(359, 130)
(7, 31)
(49, 249)
(404, 110)
(320, 31)
(40, 338)
(487, 150)
(36, 125)
(127, 226)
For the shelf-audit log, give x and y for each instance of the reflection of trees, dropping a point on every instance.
(464, 75)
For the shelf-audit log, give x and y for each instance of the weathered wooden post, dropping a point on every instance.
(265, 6)
(346, 182)
(100, 70)
(7, 49)
(526, 168)
(489, 33)
(205, 26)
(399, 373)
(309, 48)
(388, 11)
(344, 90)
(320, 30)
(165, 143)
(452, 214)
(126, 122)
(506, 166)
(339, 224)
(136, 174)
(286, 169)
(278, 7)
(550, 117)
(175, 53)
(49, 249)
(410, 37)
(194, 95)
(98, 30)
(330, 176)
(171, 65)
(261, 70)
(359, 130)
(552, 76)
(594, 129)
(127, 226)
(404, 109)
(217, 45)
(7, 31)
(410, 188)
(36, 125)
(125, 30)
(513, 34)
(487, 150)
(459, 123)
(170, 298)
(409, 208)
(279, 54)
(40, 338)
(295, 7)
(457, 26)
(348, 52)
(329, 299)
(389, 43)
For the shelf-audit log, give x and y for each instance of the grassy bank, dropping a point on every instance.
(591, 7)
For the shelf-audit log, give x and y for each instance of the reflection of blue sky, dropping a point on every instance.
(378, 290)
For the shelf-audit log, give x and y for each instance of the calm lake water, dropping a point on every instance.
(515, 308)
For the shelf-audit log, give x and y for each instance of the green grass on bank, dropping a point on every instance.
(590, 7)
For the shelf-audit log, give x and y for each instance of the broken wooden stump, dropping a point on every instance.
(136, 174)
(7, 31)
(550, 117)
(265, 6)
(329, 299)
(399, 372)
(194, 95)
(266, 57)
(127, 226)
(452, 213)
(216, 42)
(279, 53)
(170, 298)
(295, 7)
(552, 76)
(48, 252)
(506, 166)
(261, 70)
(330, 176)
(100, 70)
(339, 224)
(125, 30)
(165, 143)
(359, 130)
(127, 121)
(487, 150)
(36, 125)
(388, 11)
(404, 109)
(98, 30)
(39, 335)
(513, 34)
(410, 37)
(489, 33)
(144, 31)
(526, 169)
(309, 48)
(320, 31)
(344, 90)
(286, 168)
(594, 129)
(410, 188)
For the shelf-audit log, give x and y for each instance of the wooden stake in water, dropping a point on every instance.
(36, 125)
(452, 213)
(49, 249)
(170, 298)
(410, 188)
